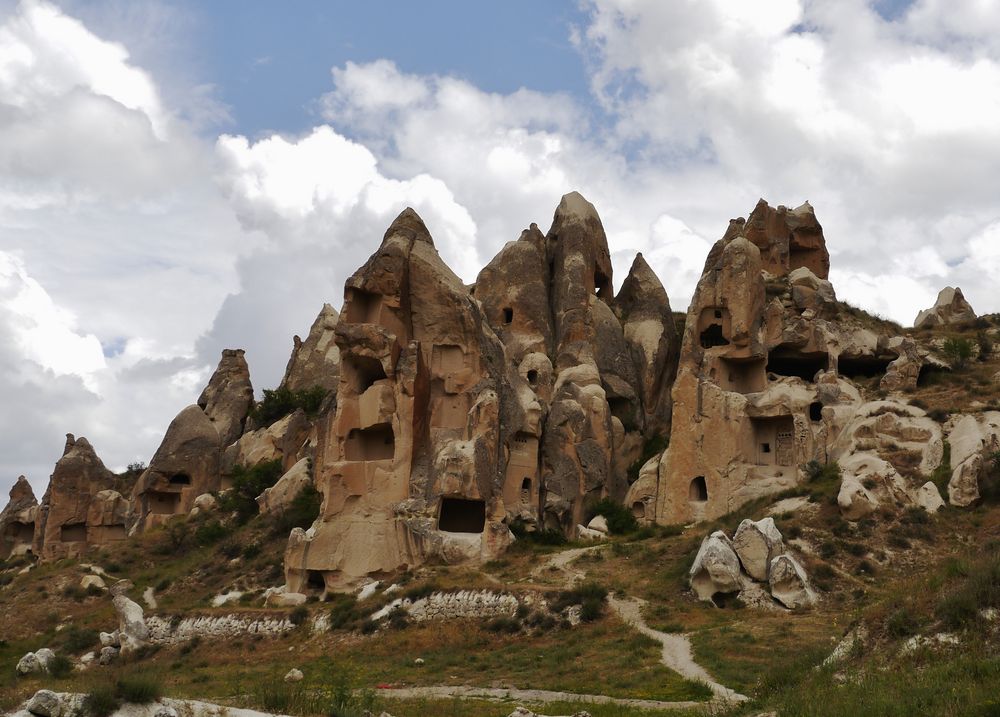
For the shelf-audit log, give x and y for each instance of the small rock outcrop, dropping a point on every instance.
(80, 507)
(315, 361)
(950, 308)
(17, 521)
(133, 633)
(228, 396)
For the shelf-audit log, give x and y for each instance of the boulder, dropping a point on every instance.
(133, 633)
(854, 499)
(716, 567)
(963, 487)
(585, 533)
(789, 584)
(950, 308)
(92, 581)
(757, 544)
(294, 675)
(45, 703)
(929, 497)
(600, 524)
(110, 639)
(108, 655)
(278, 497)
(17, 520)
(29, 664)
(283, 599)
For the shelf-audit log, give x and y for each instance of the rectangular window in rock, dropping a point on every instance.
(459, 515)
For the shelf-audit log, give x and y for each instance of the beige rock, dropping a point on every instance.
(600, 524)
(585, 533)
(963, 488)
(950, 308)
(79, 508)
(294, 675)
(286, 599)
(788, 239)
(276, 498)
(756, 544)
(228, 396)
(716, 568)
(92, 581)
(929, 497)
(133, 633)
(315, 361)
(17, 521)
(789, 584)
(854, 499)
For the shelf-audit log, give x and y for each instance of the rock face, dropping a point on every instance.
(276, 498)
(762, 382)
(411, 465)
(133, 633)
(595, 368)
(80, 507)
(189, 459)
(315, 361)
(950, 308)
(17, 521)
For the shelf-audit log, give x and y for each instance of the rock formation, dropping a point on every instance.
(950, 308)
(763, 383)
(411, 463)
(596, 368)
(80, 507)
(189, 459)
(315, 361)
(17, 521)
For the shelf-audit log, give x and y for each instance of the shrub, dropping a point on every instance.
(979, 590)
(60, 666)
(985, 346)
(279, 402)
(420, 591)
(548, 536)
(817, 472)
(958, 351)
(78, 639)
(138, 689)
(301, 512)
(299, 615)
(902, 623)
(368, 627)
(587, 592)
(620, 519)
(345, 613)
(398, 618)
(508, 625)
(101, 701)
(210, 532)
(248, 483)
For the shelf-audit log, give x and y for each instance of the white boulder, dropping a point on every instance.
(789, 584)
(757, 544)
(929, 498)
(716, 567)
(600, 524)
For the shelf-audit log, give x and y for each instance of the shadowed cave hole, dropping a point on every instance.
(459, 515)
(376, 443)
(362, 372)
(508, 315)
(712, 336)
(532, 377)
(698, 490)
(815, 411)
(639, 509)
(180, 479)
(73, 533)
(315, 581)
(862, 367)
(363, 306)
(602, 285)
(803, 365)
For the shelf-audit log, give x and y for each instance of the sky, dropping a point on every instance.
(179, 177)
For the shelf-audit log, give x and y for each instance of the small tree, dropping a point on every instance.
(958, 351)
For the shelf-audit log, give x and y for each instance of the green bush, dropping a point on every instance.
(210, 532)
(78, 639)
(345, 613)
(299, 615)
(620, 519)
(652, 446)
(902, 623)
(539, 537)
(979, 590)
(279, 402)
(301, 512)
(138, 689)
(587, 592)
(248, 483)
(958, 351)
(817, 472)
(101, 701)
(60, 666)
(501, 625)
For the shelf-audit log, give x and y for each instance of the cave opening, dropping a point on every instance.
(698, 490)
(794, 363)
(461, 515)
(180, 479)
(863, 366)
(73, 533)
(508, 315)
(815, 411)
(375, 443)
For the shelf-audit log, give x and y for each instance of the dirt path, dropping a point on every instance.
(676, 648)
(501, 694)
